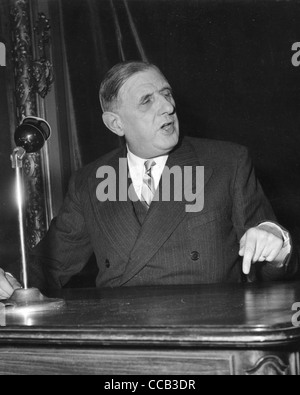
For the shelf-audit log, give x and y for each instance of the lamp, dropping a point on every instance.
(30, 136)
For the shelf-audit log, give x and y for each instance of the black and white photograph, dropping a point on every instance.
(150, 190)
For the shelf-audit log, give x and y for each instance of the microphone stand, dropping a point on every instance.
(17, 163)
(26, 299)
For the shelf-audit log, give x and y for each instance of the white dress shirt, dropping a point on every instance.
(137, 170)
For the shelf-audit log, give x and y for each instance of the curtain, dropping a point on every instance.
(229, 64)
(98, 34)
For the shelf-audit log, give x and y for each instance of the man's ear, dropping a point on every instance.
(113, 123)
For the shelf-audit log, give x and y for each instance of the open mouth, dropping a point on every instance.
(168, 127)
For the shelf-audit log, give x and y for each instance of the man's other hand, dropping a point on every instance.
(261, 244)
(7, 285)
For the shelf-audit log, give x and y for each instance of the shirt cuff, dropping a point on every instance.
(286, 248)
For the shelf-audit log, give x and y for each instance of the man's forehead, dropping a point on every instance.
(145, 82)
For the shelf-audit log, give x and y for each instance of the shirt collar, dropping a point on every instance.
(138, 163)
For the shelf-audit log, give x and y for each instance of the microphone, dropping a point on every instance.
(32, 134)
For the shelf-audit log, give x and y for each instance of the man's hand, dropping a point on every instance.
(259, 245)
(7, 285)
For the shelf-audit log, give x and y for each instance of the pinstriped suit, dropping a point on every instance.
(171, 246)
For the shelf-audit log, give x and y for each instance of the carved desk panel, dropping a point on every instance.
(210, 329)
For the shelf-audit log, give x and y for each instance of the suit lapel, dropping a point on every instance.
(163, 217)
(116, 218)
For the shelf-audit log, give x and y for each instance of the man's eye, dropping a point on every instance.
(146, 101)
(169, 94)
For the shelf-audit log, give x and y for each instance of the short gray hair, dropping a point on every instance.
(116, 78)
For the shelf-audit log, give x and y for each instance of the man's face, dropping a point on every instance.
(148, 114)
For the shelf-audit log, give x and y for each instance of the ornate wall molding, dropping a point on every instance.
(32, 77)
(22, 54)
(42, 69)
(269, 365)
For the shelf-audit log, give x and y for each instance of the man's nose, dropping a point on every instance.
(166, 105)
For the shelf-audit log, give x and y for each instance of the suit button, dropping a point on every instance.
(107, 263)
(195, 256)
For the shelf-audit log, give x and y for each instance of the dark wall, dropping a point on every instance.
(230, 66)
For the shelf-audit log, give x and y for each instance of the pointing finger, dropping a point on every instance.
(249, 253)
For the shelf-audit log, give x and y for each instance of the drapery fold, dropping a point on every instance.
(118, 31)
(108, 28)
(135, 33)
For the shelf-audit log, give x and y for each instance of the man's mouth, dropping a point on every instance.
(168, 127)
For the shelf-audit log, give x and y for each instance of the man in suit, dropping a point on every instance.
(146, 241)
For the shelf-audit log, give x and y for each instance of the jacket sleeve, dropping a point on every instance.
(250, 208)
(65, 249)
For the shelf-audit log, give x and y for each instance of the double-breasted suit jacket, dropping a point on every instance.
(171, 245)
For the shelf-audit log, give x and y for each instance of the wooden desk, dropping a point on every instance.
(218, 329)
